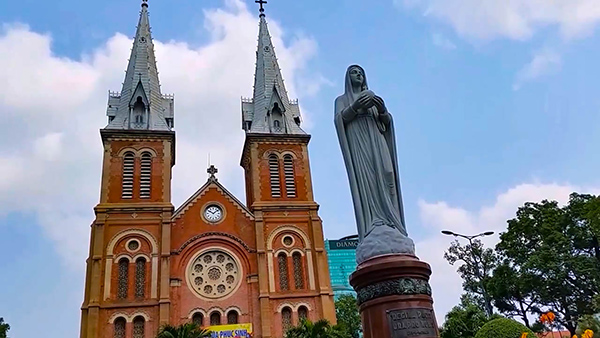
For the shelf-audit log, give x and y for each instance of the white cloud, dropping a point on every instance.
(437, 216)
(52, 108)
(542, 63)
(441, 41)
(514, 19)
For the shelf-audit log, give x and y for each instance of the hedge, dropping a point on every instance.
(503, 328)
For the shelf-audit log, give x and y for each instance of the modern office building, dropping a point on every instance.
(341, 255)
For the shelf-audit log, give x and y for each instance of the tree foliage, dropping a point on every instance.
(188, 330)
(589, 322)
(512, 291)
(4, 327)
(348, 317)
(319, 329)
(550, 260)
(464, 320)
(503, 328)
(475, 269)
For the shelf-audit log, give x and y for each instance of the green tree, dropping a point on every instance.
(348, 317)
(513, 292)
(4, 327)
(589, 322)
(554, 251)
(188, 330)
(319, 329)
(464, 320)
(476, 265)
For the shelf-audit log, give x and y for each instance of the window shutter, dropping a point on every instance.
(145, 175)
(290, 181)
(274, 173)
(128, 166)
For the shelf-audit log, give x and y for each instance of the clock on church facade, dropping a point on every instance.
(215, 261)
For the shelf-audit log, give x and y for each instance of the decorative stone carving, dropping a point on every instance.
(401, 286)
(214, 274)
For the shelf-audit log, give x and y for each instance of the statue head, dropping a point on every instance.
(356, 78)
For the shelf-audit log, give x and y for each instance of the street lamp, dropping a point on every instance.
(488, 304)
(469, 238)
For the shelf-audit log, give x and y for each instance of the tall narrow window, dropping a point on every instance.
(139, 110)
(274, 173)
(298, 271)
(123, 278)
(232, 317)
(140, 277)
(198, 319)
(288, 171)
(120, 328)
(284, 283)
(145, 175)
(139, 327)
(215, 318)
(302, 312)
(286, 318)
(128, 165)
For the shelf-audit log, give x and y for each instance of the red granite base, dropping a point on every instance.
(395, 297)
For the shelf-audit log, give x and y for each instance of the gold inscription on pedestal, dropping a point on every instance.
(411, 323)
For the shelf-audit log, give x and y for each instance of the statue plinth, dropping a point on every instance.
(394, 297)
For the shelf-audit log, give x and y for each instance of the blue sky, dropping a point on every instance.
(494, 105)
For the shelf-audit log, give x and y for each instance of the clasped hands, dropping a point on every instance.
(367, 99)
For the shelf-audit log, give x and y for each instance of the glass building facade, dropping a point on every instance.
(341, 256)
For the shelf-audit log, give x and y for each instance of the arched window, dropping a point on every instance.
(215, 318)
(145, 175)
(139, 327)
(274, 174)
(232, 317)
(286, 318)
(284, 283)
(198, 319)
(123, 278)
(298, 270)
(302, 312)
(288, 171)
(119, 327)
(140, 277)
(128, 165)
(139, 110)
(277, 116)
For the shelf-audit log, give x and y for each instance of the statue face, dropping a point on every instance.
(356, 76)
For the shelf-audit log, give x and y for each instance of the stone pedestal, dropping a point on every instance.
(394, 297)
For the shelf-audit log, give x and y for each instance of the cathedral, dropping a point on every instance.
(253, 268)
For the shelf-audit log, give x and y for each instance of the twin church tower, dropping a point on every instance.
(214, 260)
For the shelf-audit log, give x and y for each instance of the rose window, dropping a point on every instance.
(214, 274)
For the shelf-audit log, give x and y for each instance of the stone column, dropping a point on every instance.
(394, 297)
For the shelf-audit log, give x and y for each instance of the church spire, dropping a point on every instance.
(140, 104)
(269, 111)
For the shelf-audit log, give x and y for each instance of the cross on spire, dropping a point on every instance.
(261, 9)
(212, 170)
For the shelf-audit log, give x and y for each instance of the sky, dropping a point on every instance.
(495, 104)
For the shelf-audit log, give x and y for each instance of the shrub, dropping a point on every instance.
(503, 328)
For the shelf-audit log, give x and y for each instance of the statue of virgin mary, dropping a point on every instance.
(366, 133)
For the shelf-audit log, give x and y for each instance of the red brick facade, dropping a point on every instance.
(263, 262)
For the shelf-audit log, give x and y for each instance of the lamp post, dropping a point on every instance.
(486, 298)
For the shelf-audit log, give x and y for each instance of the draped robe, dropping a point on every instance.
(369, 149)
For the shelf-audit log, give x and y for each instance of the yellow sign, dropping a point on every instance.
(231, 331)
